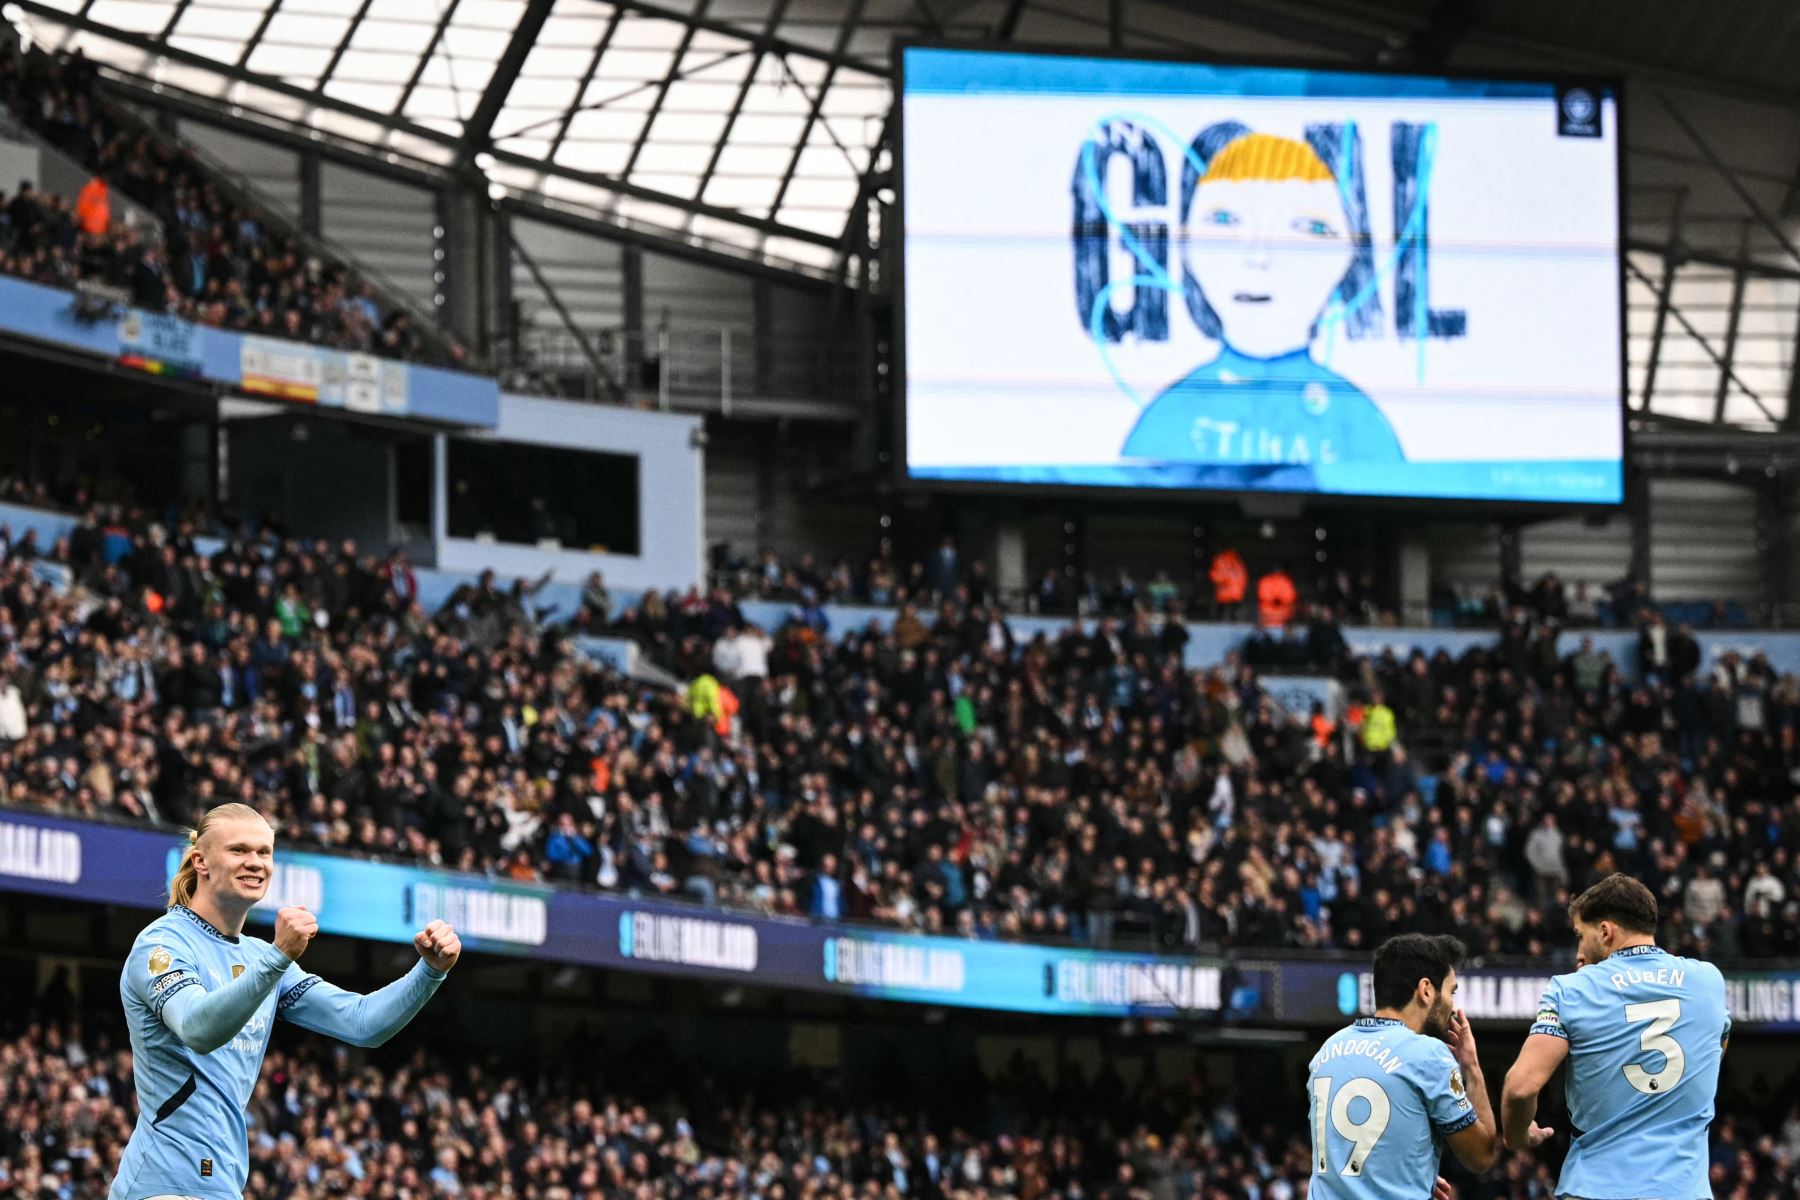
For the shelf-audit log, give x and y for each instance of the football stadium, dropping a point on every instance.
(565, 633)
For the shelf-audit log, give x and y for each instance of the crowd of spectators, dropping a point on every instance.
(947, 572)
(934, 774)
(218, 261)
(418, 1121)
(1231, 588)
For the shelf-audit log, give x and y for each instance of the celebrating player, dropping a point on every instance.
(1386, 1089)
(199, 997)
(1644, 1032)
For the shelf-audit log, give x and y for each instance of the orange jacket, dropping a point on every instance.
(1275, 597)
(93, 207)
(1229, 577)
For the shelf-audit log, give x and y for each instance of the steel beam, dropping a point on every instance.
(337, 52)
(1717, 358)
(662, 91)
(181, 6)
(777, 11)
(437, 36)
(1731, 332)
(425, 133)
(1730, 177)
(834, 58)
(256, 35)
(846, 31)
(1670, 262)
(575, 105)
(480, 125)
(1007, 27)
(595, 362)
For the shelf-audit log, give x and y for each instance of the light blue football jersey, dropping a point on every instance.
(1381, 1099)
(191, 1135)
(1646, 1032)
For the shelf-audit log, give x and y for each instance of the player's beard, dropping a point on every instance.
(1437, 1021)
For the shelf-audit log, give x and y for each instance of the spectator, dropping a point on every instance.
(1380, 727)
(567, 853)
(1544, 853)
(93, 208)
(1704, 898)
(1764, 894)
(1230, 580)
(1275, 599)
(827, 893)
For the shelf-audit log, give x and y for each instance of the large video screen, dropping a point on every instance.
(1150, 274)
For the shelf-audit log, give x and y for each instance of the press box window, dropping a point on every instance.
(534, 495)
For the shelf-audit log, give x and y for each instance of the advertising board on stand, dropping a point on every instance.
(131, 867)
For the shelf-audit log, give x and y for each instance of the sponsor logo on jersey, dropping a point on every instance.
(160, 960)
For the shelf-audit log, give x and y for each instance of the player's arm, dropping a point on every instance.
(1476, 1142)
(1538, 1060)
(370, 1020)
(205, 1020)
(1546, 1046)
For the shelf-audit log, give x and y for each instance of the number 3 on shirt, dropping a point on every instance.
(1362, 1135)
(1662, 1015)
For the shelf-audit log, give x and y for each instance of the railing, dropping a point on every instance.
(426, 321)
(707, 369)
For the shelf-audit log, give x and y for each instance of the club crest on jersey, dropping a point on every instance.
(237, 969)
(160, 960)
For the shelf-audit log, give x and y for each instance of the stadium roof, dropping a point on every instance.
(754, 122)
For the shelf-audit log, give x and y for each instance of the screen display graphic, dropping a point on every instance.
(1152, 274)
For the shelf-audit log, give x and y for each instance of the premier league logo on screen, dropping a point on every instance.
(1177, 275)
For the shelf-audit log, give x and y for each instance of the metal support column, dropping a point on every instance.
(631, 283)
(469, 264)
(1512, 558)
(762, 298)
(1637, 509)
(1771, 546)
(504, 332)
(1738, 279)
(312, 194)
(1669, 263)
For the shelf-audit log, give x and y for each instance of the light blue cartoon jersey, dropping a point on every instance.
(1260, 413)
(1381, 1100)
(200, 1005)
(1646, 1032)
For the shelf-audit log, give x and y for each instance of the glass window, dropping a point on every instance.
(529, 495)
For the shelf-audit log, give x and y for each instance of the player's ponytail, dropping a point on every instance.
(187, 876)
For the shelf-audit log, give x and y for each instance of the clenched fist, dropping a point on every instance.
(295, 929)
(438, 945)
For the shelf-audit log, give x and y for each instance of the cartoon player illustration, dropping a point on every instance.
(1269, 243)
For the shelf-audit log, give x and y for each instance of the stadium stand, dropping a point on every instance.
(607, 1117)
(1190, 759)
(938, 775)
(222, 263)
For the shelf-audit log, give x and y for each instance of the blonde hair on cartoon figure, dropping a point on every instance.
(1264, 156)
